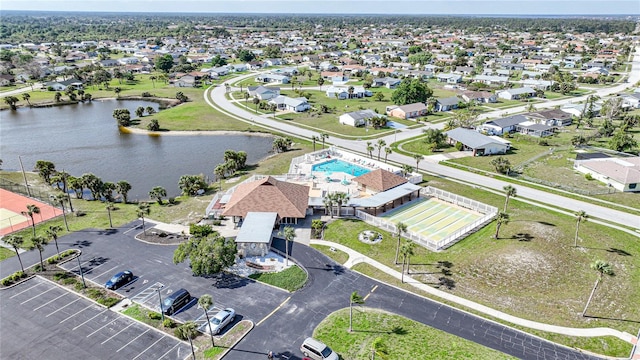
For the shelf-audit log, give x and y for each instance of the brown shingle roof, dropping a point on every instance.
(380, 180)
(269, 195)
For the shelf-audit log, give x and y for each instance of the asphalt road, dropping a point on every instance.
(328, 290)
(216, 98)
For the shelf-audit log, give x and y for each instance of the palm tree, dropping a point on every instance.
(110, 207)
(324, 136)
(16, 241)
(320, 82)
(26, 97)
(581, 216)
(509, 191)
(328, 203)
(205, 302)
(188, 330)
(117, 90)
(60, 199)
(38, 243)
(400, 229)
(289, 234)
(11, 101)
(603, 268)
(52, 232)
(418, 158)
(314, 139)
(31, 210)
(378, 347)
(153, 81)
(380, 144)
(220, 171)
(341, 198)
(387, 152)
(407, 169)
(256, 101)
(158, 193)
(501, 219)
(354, 299)
(370, 149)
(122, 188)
(143, 209)
(246, 98)
(406, 250)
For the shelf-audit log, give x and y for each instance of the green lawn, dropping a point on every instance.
(403, 338)
(520, 273)
(290, 279)
(338, 256)
(6, 253)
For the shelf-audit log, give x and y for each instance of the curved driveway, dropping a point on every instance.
(216, 98)
(329, 288)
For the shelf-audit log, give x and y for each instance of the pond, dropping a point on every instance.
(84, 138)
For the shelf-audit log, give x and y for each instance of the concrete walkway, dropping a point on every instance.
(356, 258)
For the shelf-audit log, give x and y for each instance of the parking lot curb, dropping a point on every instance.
(77, 252)
(71, 291)
(224, 353)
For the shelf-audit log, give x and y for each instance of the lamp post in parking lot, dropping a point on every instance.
(160, 297)
(84, 285)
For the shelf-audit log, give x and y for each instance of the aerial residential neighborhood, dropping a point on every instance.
(191, 184)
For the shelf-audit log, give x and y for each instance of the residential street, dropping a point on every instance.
(216, 98)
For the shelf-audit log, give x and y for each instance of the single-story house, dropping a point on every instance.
(447, 104)
(290, 71)
(491, 80)
(550, 117)
(342, 92)
(63, 85)
(631, 100)
(273, 78)
(407, 111)
(6, 79)
(290, 201)
(263, 92)
(503, 125)
(579, 109)
(388, 82)
(282, 102)
(538, 84)
(517, 93)
(378, 180)
(474, 141)
(357, 118)
(535, 129)
(449, 78)
(479, 97)
(623, 174)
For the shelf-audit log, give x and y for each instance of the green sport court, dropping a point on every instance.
(432, 218)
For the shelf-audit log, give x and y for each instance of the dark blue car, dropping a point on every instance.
(119, 279)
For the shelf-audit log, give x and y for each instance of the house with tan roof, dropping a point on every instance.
(379, 180)
(623, 174)
(290, 201)
(407, 111)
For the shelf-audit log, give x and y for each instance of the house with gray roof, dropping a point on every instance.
(273, 78)
(449, 78)
(357, 118)
(388, 82)
(517, 93)
(502, 126)
(474, 141)
(447, 104)
(282, 102)
(263, 92)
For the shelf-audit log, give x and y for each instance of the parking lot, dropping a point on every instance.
(59, 324)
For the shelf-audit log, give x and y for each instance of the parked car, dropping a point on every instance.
(174, 302)
(119, 279)
(317, 350)
(220, 320)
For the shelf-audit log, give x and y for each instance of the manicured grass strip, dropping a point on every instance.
(404, 338)
(6, 253)
(290, 279)
(141, 314)
(338, 256)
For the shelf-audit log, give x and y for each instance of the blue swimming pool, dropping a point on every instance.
(340, 166)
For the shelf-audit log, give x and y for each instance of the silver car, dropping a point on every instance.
(220, 320)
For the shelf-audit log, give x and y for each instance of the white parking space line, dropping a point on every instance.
(114, 335)
(168, 352)
(113, 268)
(76, 314)
(150, 346)
(103, 326)
(90, 271)
(25, 290)
(63, 307)
(98, 314)
(49, 302)
(82, 264)
(134, 339)
(42, 293)
(133, 228)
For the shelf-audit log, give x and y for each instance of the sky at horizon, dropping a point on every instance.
(413, 7)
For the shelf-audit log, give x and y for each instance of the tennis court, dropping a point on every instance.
(11, 207)
(432, 218)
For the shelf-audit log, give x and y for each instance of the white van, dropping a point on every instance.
(317, 350)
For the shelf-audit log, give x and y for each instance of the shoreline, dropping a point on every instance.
(139, 131)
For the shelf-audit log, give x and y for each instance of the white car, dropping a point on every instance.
(220, 320)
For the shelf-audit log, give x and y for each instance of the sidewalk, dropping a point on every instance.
(356, 257)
